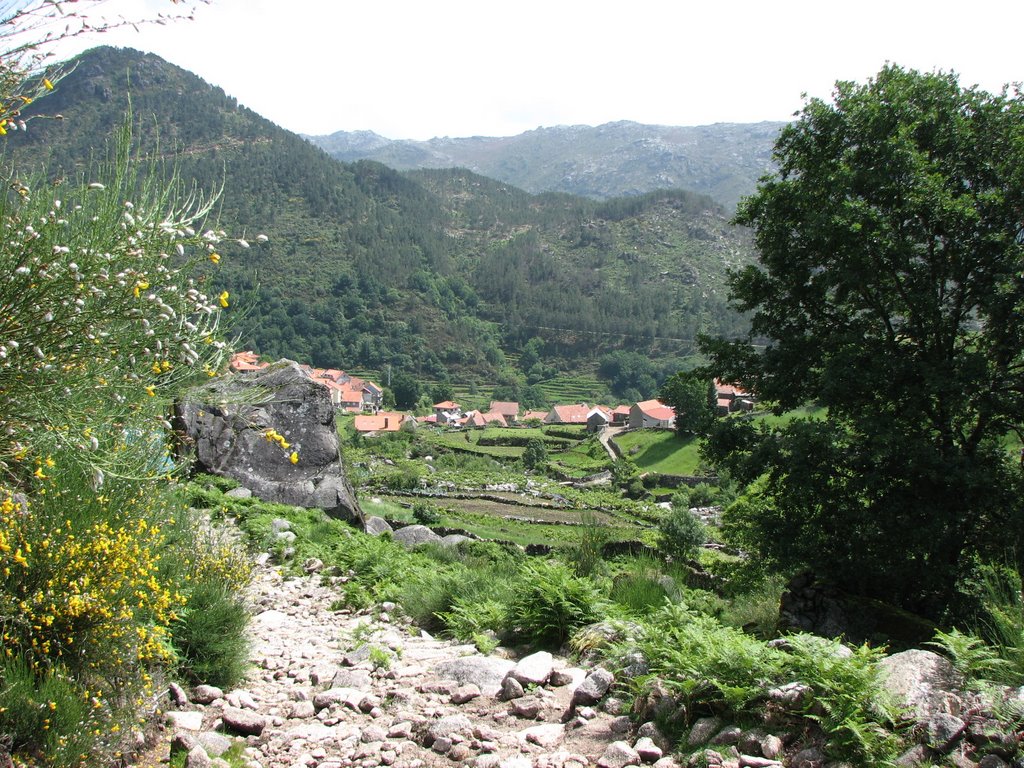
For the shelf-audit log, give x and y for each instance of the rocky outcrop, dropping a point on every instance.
(273, 431)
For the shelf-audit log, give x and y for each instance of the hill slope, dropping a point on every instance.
(723, 161)
(435, 271)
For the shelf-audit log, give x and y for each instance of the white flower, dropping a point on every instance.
(96, 185)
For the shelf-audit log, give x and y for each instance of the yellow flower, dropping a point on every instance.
(150, 391)
(3, 131)
(50, 462)
(39, 473)
(155, 368)
(224, 298)
(294, 458)
(47, 84)
(215, 258)
(20, 559)
(140, 286)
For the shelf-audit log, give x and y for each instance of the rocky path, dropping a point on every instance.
(331, 689)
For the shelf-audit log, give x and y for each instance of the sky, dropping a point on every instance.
(410, 69)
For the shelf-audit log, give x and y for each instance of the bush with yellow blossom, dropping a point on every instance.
(107, 311)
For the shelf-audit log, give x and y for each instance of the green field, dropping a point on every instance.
(661, 450)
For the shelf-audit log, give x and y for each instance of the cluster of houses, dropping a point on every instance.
(365, 399)
(348, 393)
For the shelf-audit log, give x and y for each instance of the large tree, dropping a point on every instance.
(891, 290)
(691, 395)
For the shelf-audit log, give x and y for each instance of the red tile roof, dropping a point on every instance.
(570, 414)
(505, 408)
(385, 421)
(729, 390)
(494, 417)
(246, 361)
(447, 405)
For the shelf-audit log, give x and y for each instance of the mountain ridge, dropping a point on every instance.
(722, 160)
(440, 273)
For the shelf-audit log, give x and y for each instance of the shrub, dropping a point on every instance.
(550, 602)
(680, 534)
(586, 555)
(638, 593)
(108, 316)
(425, 514)
(701, 495)
(209, 635)
(535, 455)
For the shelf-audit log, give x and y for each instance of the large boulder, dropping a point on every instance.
(226, 423)
(923, 683)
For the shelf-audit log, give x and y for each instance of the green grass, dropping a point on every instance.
(389, 510)
(807, 412)
(661, 450)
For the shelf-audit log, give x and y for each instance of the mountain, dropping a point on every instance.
(438, 272)
(723, 161)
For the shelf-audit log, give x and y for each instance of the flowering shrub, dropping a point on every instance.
(107, 312)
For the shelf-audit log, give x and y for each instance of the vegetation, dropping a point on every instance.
(681, 534)
(692, 396)
(888, 291)
(437, 273)
(109, 289)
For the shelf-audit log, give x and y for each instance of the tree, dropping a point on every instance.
(406, 389)
(891, 291)
(535, 456)
(690, 394)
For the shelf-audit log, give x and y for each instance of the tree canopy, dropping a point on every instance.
(890, 289)
(691, 395)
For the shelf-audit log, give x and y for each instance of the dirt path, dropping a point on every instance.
(605, 435)
(330, 689)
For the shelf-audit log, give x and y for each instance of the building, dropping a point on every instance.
(651, 414)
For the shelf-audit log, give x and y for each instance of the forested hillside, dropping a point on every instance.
(436, 272)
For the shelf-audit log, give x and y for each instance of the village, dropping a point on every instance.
(365, 400)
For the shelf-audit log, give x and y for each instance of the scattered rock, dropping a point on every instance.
(649, 751)
(215, 744)
(465, 693)
(486, 672)
(944, 730)
(511, 689)
(594, 687)
(702, 731)
(414, 535)
(243, 721)
(185, 721)
(548, 736)
(527, 707)
(618, 755)
(197, 758)
(811, 757)
(177, 694)
(534, 669)
(206, 694)
(375, 526)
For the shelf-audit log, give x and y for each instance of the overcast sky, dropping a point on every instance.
(413, 69)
